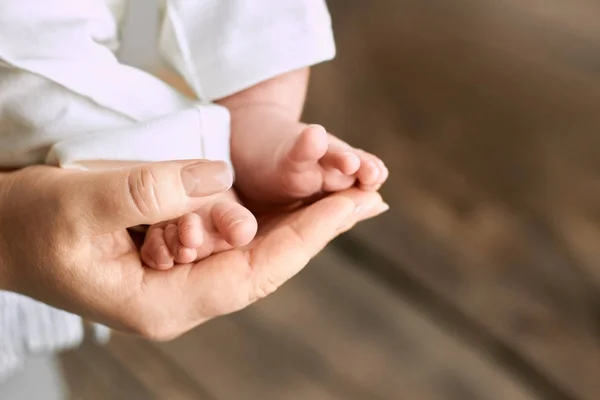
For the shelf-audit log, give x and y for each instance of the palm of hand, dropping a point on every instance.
(73, 254)
(183, 297)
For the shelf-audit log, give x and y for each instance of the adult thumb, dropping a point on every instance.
(147, 193)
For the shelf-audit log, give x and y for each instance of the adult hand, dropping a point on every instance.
(63, 241)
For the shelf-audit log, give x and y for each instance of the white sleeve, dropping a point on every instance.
(223, 46)
(65, 98)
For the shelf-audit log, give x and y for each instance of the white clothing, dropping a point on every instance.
(60, 79)
(65, 98)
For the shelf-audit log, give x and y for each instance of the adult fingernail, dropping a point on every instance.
(206, 178)
(370, 210)
(356, 215)
(375, 210)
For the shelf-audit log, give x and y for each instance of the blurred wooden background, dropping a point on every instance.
(482, 282)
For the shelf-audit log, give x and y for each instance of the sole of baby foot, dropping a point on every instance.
(318, 162)
(308, 165)
(340, 165)
(296, 173)
(217, 226)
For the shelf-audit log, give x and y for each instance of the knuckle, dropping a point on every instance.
(143, 191)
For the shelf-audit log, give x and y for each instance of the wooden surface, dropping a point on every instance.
(482, 282)
(333, 333)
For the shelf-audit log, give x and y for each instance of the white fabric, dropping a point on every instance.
(40, 379)
(65, 98)
(249, 41)
(161, 139)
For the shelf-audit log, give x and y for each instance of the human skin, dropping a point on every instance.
(278, 159)
(64, 241)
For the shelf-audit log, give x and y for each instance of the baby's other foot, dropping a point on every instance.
(335, 163)
(311, 163)
(220, 224)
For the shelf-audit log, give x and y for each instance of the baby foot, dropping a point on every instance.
(306, 165)
(220, 224)
(317, 160)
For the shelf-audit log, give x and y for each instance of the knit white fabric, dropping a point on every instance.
(66, 99)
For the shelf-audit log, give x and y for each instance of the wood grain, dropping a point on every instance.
(487, 116)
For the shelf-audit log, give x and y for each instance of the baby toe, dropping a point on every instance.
(235, 223)
(305, 150)
(343, 160)
(384, 173)
(154, 252)
(172, 239)
(368, 173)
(179, 252)
(186, 255)
(190, 230)
(335, 181)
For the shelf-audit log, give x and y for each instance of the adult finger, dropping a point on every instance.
(286, 249)
(230, 281)
(145, 193)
